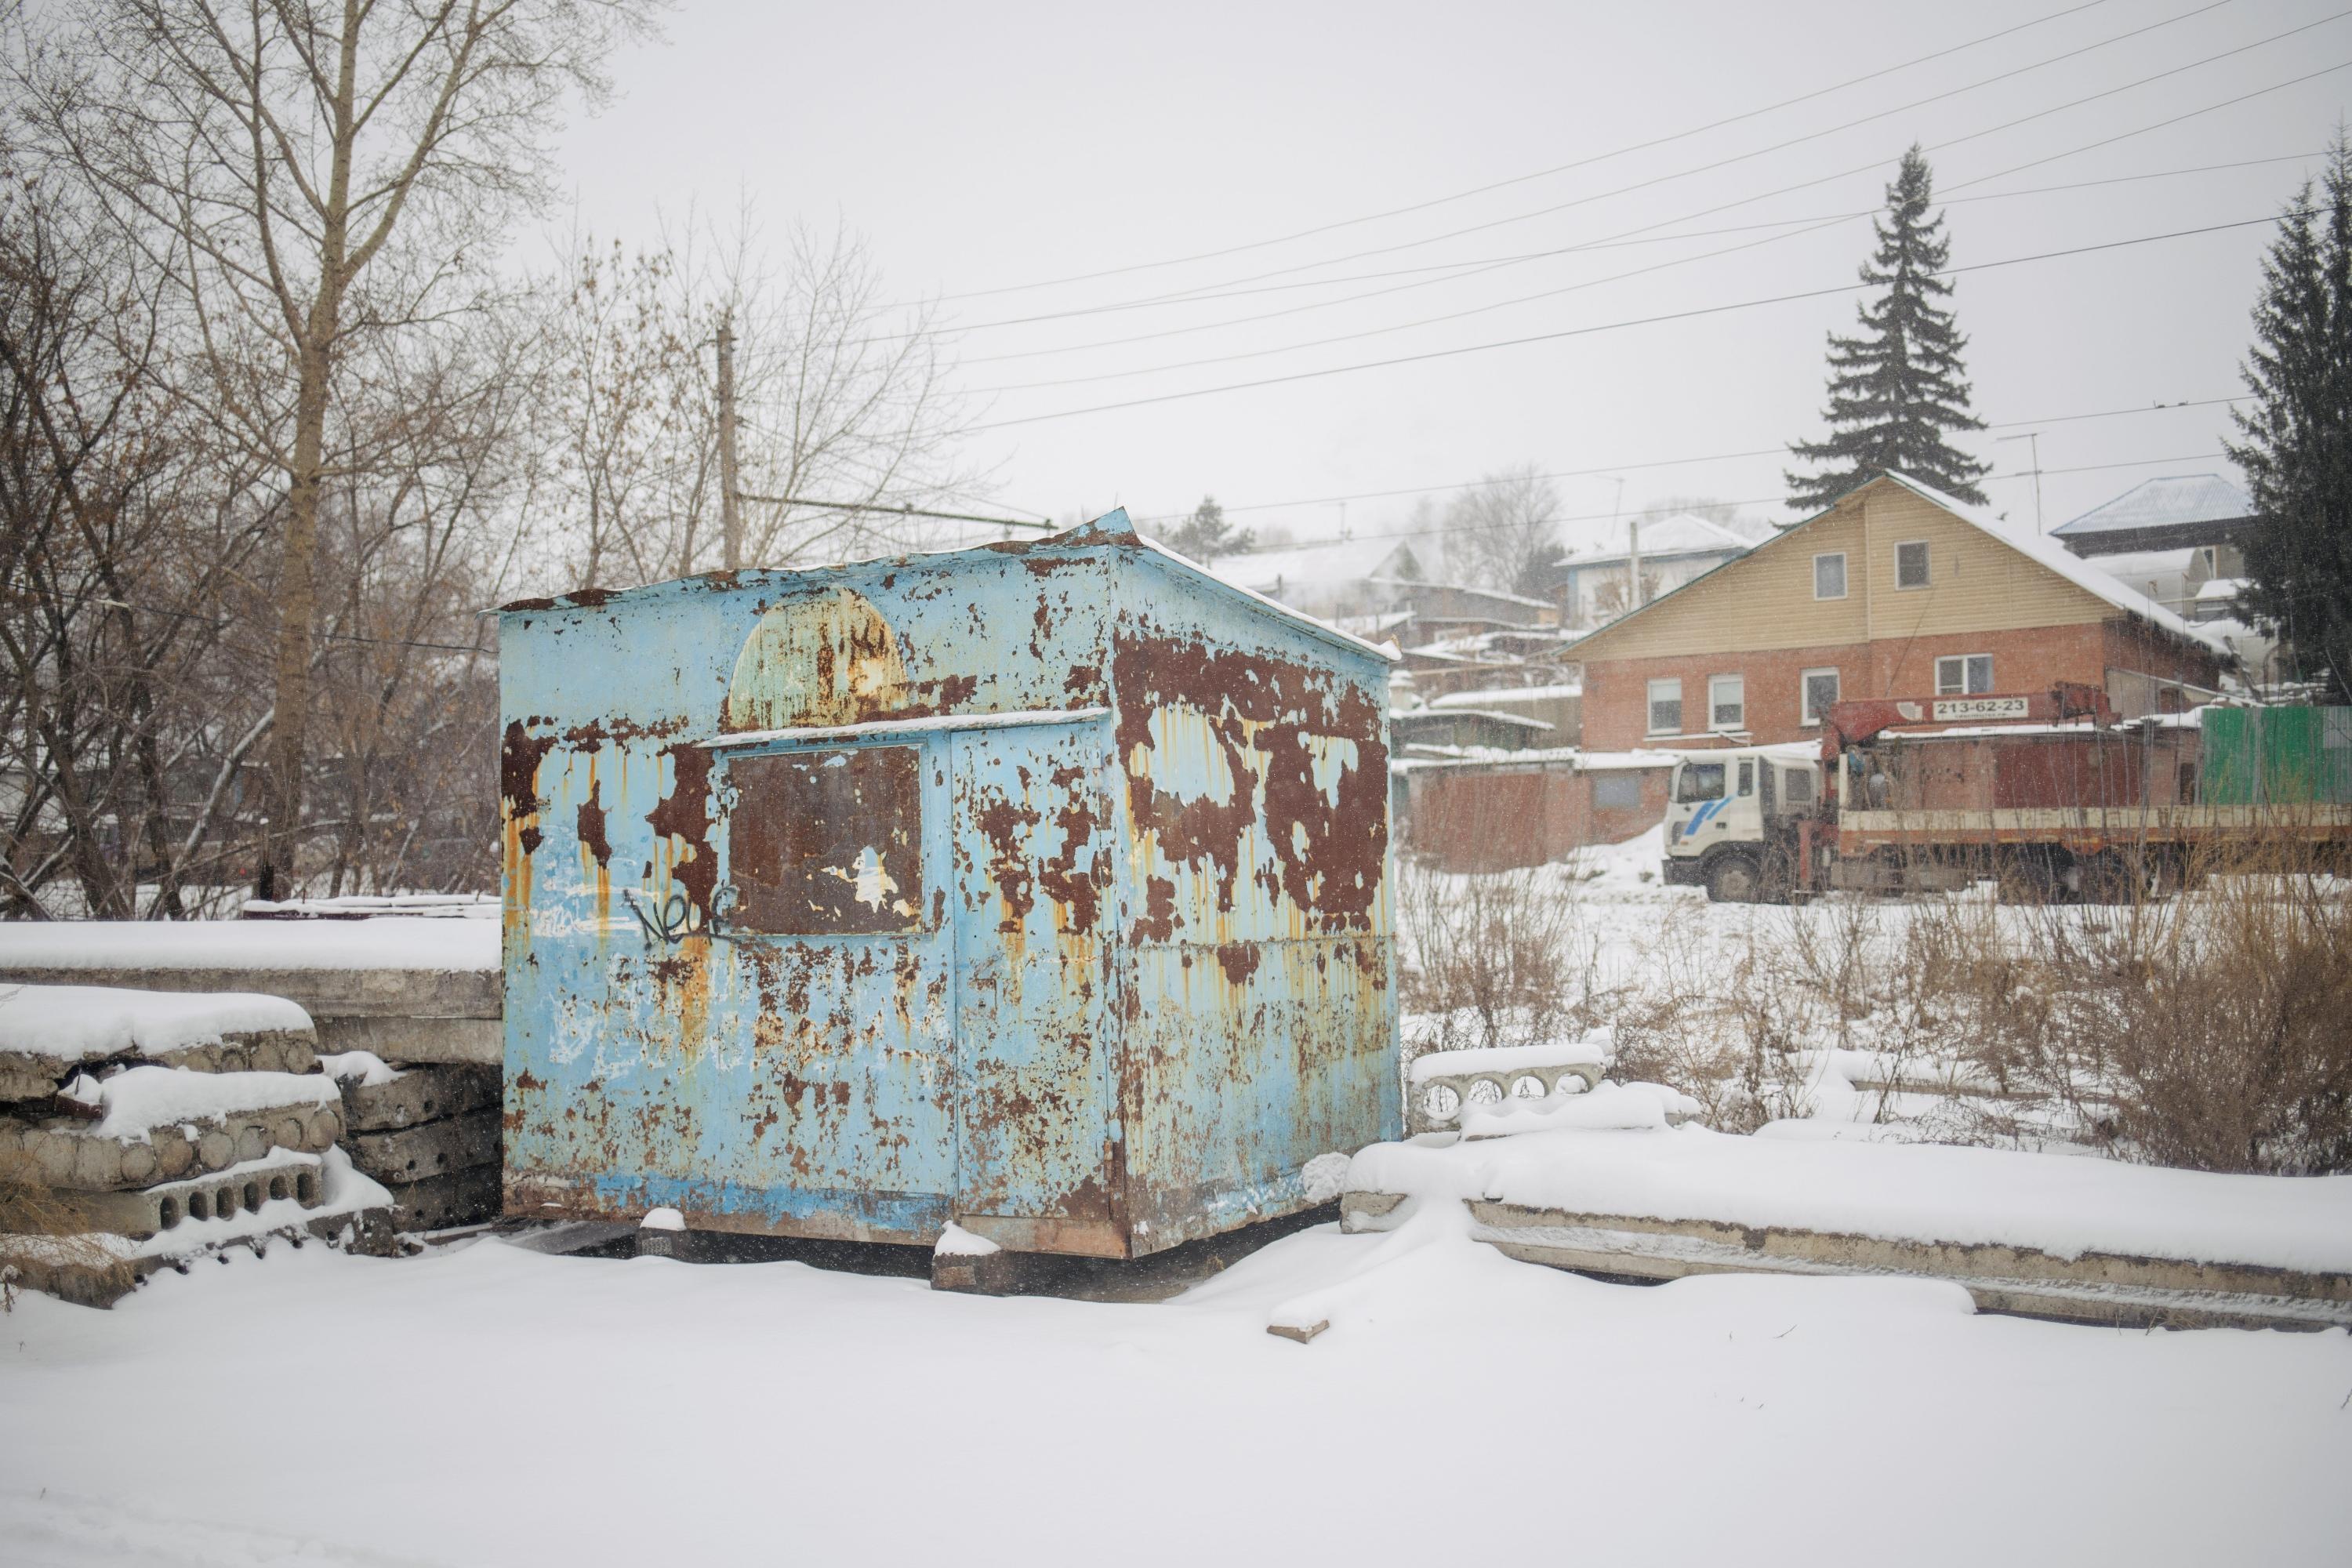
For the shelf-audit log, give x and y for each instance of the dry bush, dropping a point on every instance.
(2212, 1030)
(1722, 1026)
(29, 1209)
(1499, 958)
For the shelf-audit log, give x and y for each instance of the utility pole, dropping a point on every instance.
(2033, 445)
(730, 515)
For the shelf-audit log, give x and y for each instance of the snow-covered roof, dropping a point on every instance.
(1415, 583)
(1306, 568)
(1506, 694)
(1516, 721)
(2161, 503)
(2221, 590)
(1683, 532)
(2047, 552)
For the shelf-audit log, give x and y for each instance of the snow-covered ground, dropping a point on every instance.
(486, 1404)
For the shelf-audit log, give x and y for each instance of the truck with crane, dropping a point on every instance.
(2044, 792)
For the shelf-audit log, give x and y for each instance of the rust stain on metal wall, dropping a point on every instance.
(1325, 821)
(827, 843)
(684, 815)
(830, 658)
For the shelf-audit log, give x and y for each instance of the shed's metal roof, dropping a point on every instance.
(1112, 528)
(2161, 503)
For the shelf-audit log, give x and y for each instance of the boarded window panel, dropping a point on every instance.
(1616, 792)
(827, 843)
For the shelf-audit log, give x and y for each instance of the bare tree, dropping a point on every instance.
(270, 158)
(839, 398)
(1504, 532)
(125, 545)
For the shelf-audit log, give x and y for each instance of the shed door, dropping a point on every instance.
(1032, 871)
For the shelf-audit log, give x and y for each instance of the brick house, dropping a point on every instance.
(1896, 590)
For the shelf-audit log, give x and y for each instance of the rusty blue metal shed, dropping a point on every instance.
(1040, 887)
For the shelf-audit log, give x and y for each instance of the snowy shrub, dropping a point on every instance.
(1500, 958)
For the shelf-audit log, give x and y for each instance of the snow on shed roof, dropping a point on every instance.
(2162, 502)
(2045, 552)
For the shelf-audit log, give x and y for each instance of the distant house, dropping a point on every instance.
(1594, 584)
(1339, 579)
(1895, 590)
(1560, 705)
(2179, 540)
(2167, 537)
(1489, 729)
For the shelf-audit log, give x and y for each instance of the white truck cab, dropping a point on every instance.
(1731, 818)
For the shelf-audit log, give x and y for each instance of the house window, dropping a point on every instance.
(1726, 701)
(825, 843)
(1816, 691)
(1616, 792)
(1911, 565)
(1829, 575)
(1665, 707)
(1964, 674)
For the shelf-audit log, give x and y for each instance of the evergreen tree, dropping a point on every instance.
(1898, 388)
(2297, 451)
(1205, 535)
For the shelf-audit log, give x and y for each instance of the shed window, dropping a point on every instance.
(1829, 575)
(1817, 692)
(1726, 701)
(1911, 565)
(1964, 674)
(1616, 792)
(827, 843)
(1666, 707)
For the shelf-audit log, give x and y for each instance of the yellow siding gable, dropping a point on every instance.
(1764, 599)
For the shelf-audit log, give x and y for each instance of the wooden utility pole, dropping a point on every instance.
(729, 504)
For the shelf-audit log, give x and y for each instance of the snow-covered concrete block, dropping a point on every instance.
(433, 1148)
(280, 1175)
(437, 1202)
(173, 1125)
(46, 1031)
(1443, 1085)
(413, 1095)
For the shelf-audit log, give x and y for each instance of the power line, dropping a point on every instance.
(1607, 469)
(892, 510)
(1520, 179)
(1741, 500)
(224, 621)
(1825, 179)
(1464, 268)
(1612, 326)
(1745, 201)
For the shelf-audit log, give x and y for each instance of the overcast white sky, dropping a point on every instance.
(987, 148)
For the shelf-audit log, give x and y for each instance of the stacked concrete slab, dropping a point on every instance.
(140, 1128)
(420, 997)
(428, 1133)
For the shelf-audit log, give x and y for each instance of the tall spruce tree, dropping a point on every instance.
(1898, 387)
(2297, 451)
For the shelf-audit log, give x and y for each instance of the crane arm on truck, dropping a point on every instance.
(1862, 721)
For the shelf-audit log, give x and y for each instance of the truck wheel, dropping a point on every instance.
(1734, 880)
